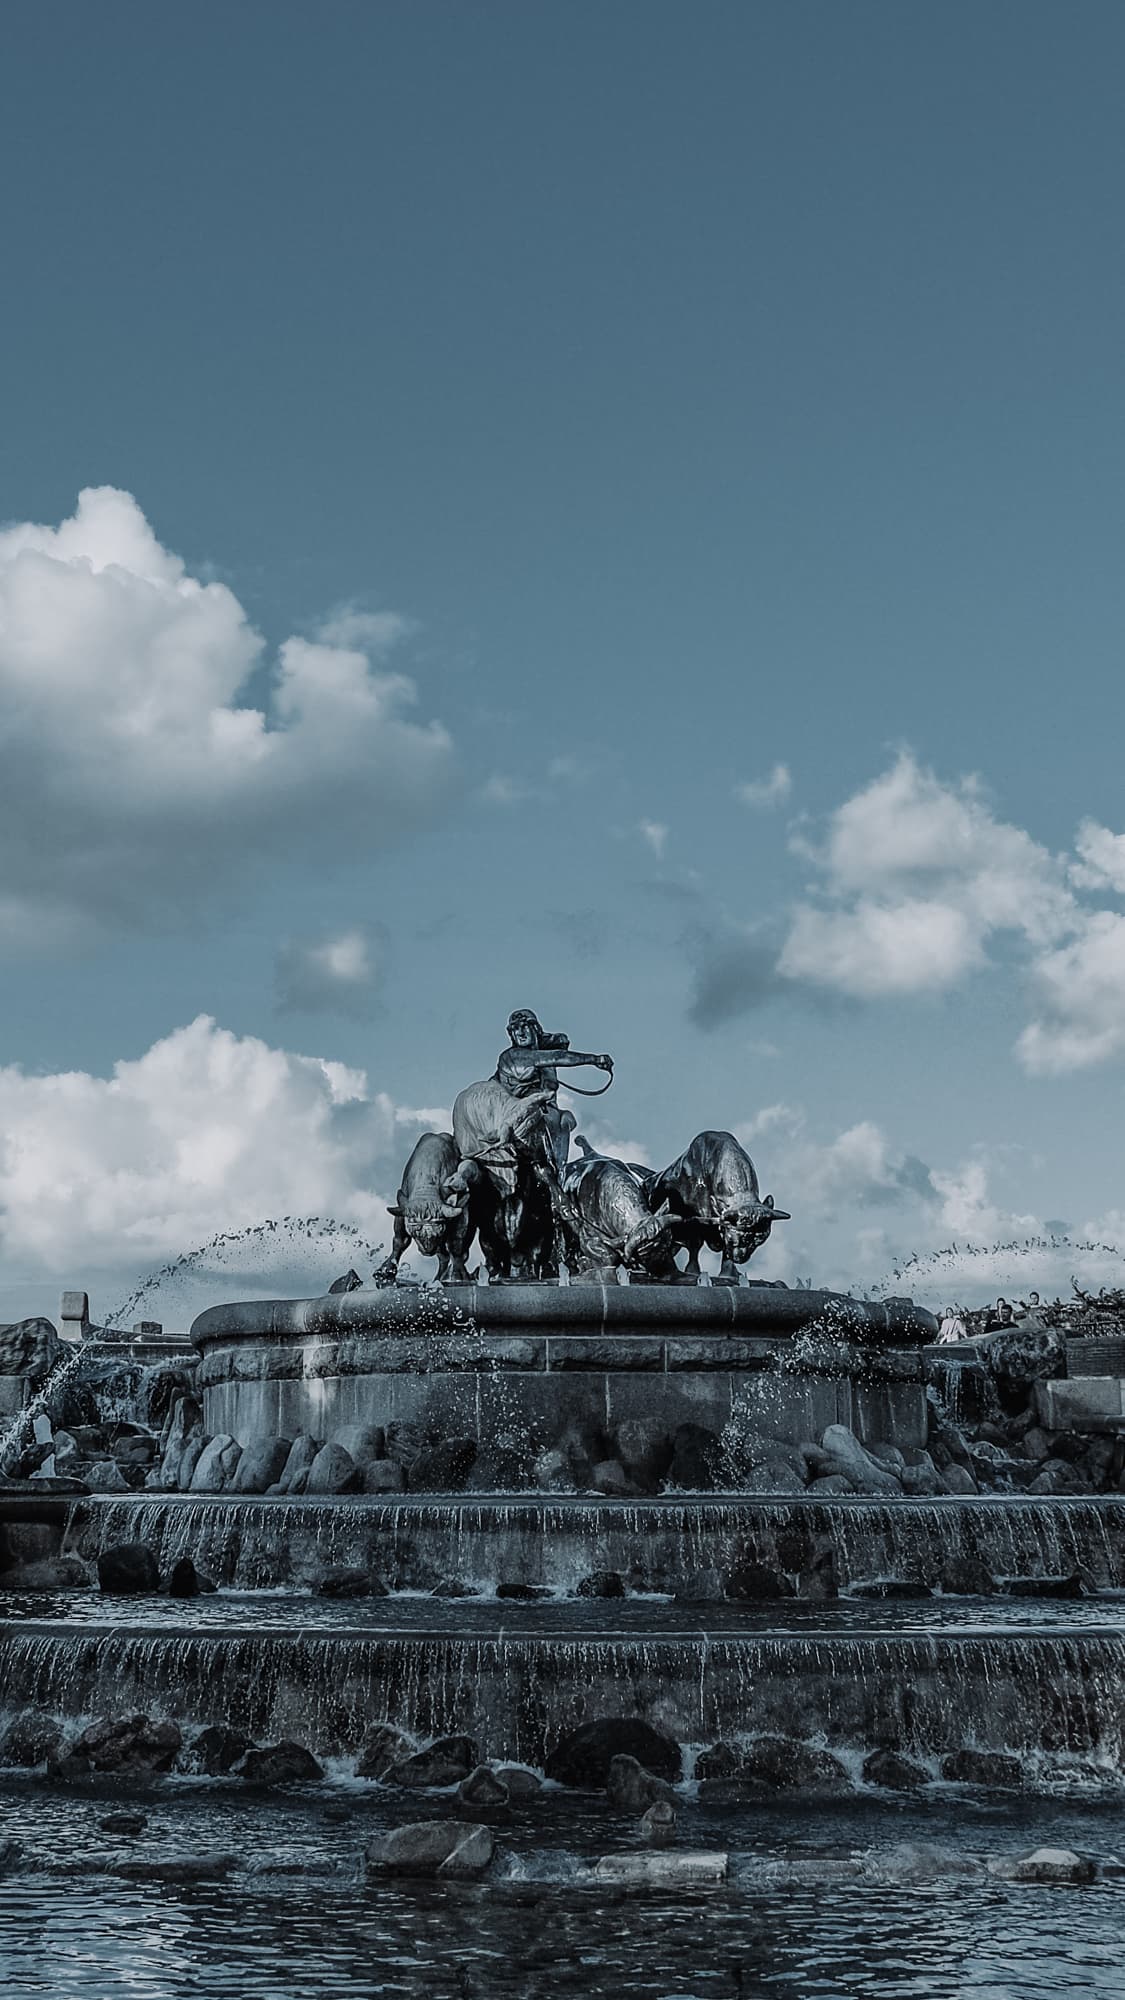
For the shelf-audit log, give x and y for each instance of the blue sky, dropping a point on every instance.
(671, 461)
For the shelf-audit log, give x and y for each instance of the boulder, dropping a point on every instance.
(333, 1470)
(262, 1464)
(216, 1464)
(445, 1762)
(774, 1475)
(214, 1752)
(958, 1479)
(701, 1586)
(208, 1867)
(384, 1475)
(483, 1790)
(280, 1764)
(966, 1576)
(610, 1477)
(302, 1452)
(897, 1774)
(600, 1583)
(631, 1789)
(841, 1452)
(644, 1449)
(31, 1738)
(790, 1766)
(127, 1569)
(676, 1870)
(444, 1467)
(752, 1582)
(186, 1581)
(658, 1823)
(382, 1747)
(131, 1747)
(1078, 1584)
(1019, 1357)
(720, 1762)
(983, 1767)
(1046, 1864)
(193, 1452)
(830, 1485)
(184, 1422)
(349, 1583)
(104, 1475)
(52, 1573)
(123, 1822)
(696, 1458)
(583, 1757)
(362, 1442)
(447, 1849)
(518, 1781)
(921, 1482)
(891, 1587)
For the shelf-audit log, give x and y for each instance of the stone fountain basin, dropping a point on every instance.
(529, 1359)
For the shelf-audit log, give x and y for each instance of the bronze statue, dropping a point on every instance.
(712, 1192)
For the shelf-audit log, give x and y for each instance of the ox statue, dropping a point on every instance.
(433, 1209)
(605, 1221)
(712, 1193)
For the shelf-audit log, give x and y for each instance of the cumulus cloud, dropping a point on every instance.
(207, 1130)
(337, 974)
(134, 780)
(655, 833)
(1101, 858)
(1080, 988)
(919, 876)
(762, 793)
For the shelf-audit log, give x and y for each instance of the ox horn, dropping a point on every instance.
(777, 1214)
(393, 1211)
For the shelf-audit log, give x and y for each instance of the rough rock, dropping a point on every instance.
(444, 1467)
(448, 1849)
(128, 1747)
(302, 1452)
(600, 1583)
(123, 1822)
(126, 1569)
(696, 1458)
(891, 1587)
(752, 1582)
(52, 1573)
(216, 1465)
(362, 1442)
(676, 1870)
(349, 1583)
(382, 1747)
(701, 1586)
(632, 1789)
(790, 1766)
(193, 1452)
(610, 1477)
(103, 1475)
(185, 1422)
(958, 1479)
(445, 1762)
(1046, 1864)
(333, 1470)
(966, 1576)
(772, 1476)
(483, 1790)
(214, 1752)
(921, 1482)
(583, 1757)
(518, 1781)
(522, 1593)
(644, 1449)
(209, 1867)
(829, 1486)
(897, 1774)
(720, 1761)
(1019, 1357)
(841, 1452)
(983, 1767)
(261, 1465)
(31, 1738)
(185, 1580)
(658, 1823)
(384, 1475)
(280, 1764)
(1078, 1584)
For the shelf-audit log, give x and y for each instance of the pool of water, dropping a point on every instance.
(409, 1614)
(848, 1902)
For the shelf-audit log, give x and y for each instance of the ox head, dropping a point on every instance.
(649, 1246)
(745, 1223)
(428, 1225)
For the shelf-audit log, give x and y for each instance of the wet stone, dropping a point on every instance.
(447, 1849)
(128, 1569)
(31, 1738)
(448, 1761)
(280, 1764)
(123, 1822)
(345, 1582)
(214, 1752)
(791, 1766)
(583, 1758)
(989, 1768)
(483, 1790)
(382, 1747)
(632, 1789)
(897, 1774)
(600, 1583)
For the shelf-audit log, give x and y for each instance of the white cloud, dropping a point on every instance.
(206, 1131)
(501, 790)
(1101, 862)
(762, 793)
(920, 875)
(132, 779)
(340, 973)
(1081, 991)
(656, 834)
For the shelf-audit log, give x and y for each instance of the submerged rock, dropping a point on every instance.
(448, 1849)
(983, 1767)
(123, 1822)
(127, 1569)
(518, 1781)
(186, 1581)
(790, 1766)
(675, 1870)
(349, 1583)
(280, 1764)
(632, 1789)
(658, 1823)
(1046, 1864)
(897, 1774)
(584, 1756)
(600, 1583)
(31, 1738)
(701, 1586)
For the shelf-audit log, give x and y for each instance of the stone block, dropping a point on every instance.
(1071, 1403)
